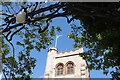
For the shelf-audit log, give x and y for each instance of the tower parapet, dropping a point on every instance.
(68, 64)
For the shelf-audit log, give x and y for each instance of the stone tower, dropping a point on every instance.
(66, 64)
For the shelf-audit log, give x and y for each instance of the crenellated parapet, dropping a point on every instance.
(67, 64)
(70, 53)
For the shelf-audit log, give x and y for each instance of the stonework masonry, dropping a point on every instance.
(54, 59)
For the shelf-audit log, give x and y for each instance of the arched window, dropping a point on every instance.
(70, 68)
(59, 69)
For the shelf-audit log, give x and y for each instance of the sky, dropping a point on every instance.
(63, 44)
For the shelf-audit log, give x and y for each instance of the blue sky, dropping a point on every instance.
(64, 44)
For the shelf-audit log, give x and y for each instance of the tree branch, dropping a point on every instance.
(41, 31)
(12, 9)
(44, 9)
(3, 25)
(27, 31)
(11, 27)
(35, 6)
(8, 34)
(50, 16)
(10, 43)
(58, 9)
(10, 15)
(57, 5)
(7, 26)
(37, 19)
(15, 33)
(68, 21)
(4, 74)
(8, 8)
(13, 51)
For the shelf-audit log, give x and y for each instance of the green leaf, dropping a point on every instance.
(19, 43)
(38, 49)
(58, 29)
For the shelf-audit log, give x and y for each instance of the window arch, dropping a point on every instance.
(59, 69)
(70, 68)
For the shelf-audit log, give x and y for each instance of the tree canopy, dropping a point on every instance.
(99, 32)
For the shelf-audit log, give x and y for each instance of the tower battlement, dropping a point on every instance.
(67, 64)
(70, 53)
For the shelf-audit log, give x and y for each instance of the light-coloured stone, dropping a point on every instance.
(54, 58)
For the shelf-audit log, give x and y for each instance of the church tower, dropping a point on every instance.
(66, 64)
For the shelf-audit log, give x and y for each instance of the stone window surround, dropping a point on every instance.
(64, 68)
(69, 62)
(56, 69)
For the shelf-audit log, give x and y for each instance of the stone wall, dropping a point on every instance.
(54, 58)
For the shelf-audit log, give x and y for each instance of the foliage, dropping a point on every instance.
(19, 66)
(99, 32)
